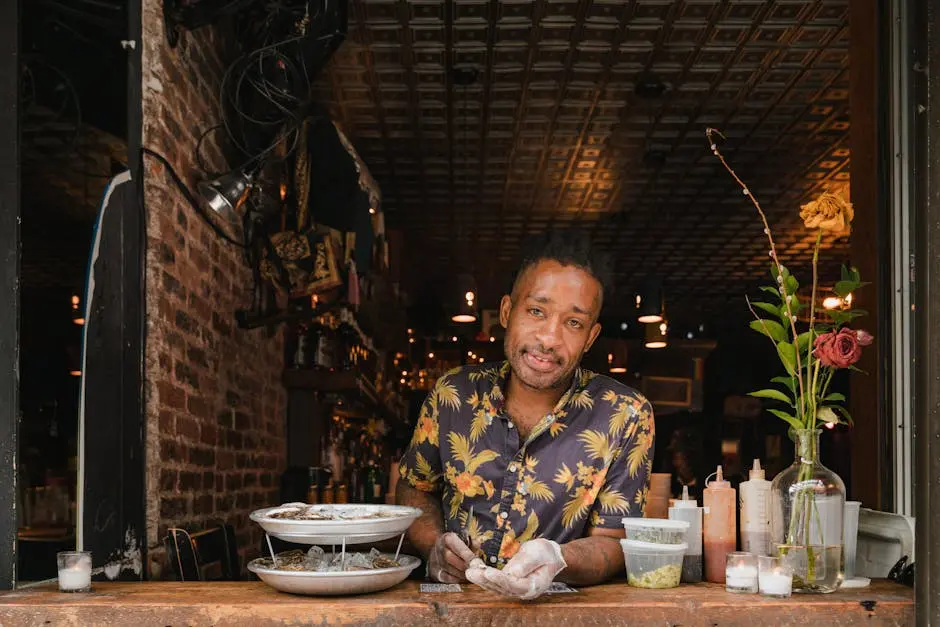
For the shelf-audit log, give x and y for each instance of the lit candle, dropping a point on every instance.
(776, 576)
(776, 583)
(74, 569)
(741, 573)
(741, 578)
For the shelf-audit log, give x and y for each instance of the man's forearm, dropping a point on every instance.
(591, 560)
(428, 527)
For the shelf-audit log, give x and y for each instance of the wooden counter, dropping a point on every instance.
(254, 603)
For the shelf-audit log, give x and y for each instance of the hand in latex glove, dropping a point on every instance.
(527, 575)
(449, 558)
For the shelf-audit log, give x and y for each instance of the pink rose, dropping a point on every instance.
(864, 337)
(839, 350)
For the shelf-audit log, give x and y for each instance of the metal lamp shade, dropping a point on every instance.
(649, 302)
(225, 194)
(617, 358)
(656, 335)
(467, 298)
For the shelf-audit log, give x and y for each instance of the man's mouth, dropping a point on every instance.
(542, 362)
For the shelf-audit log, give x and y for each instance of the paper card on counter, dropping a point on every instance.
(441, 587)
(558, 587)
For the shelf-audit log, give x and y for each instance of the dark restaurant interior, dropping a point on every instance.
(408, 148)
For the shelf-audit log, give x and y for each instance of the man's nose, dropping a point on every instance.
(549, 332)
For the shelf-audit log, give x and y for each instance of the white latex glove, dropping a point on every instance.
(527, 575)
(449, 558)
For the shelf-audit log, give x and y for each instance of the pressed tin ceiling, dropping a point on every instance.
(552, 132)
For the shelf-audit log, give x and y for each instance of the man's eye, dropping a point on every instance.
(575, 324)
(536, 312)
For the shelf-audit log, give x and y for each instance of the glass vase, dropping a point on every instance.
(807, 504)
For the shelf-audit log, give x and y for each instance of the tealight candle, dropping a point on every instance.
(741, 573)
(776, 577)
(74, 571)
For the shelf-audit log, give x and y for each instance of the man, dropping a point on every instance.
(546, 456)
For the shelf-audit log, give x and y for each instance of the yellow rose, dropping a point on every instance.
(828, 212)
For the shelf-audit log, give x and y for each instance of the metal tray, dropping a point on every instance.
(364, 531)
(335, 583)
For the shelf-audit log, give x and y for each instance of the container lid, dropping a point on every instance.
(656, 523)
(685, 502)
(756, 471)
(653, 547)
(719, 481)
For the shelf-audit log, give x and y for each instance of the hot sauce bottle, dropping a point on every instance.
(720, 526)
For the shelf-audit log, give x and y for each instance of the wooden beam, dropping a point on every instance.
(926, 52)
(867, 398)
(9, 284)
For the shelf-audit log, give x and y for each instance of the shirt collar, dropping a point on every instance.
(502, 381)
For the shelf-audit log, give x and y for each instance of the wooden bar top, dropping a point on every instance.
(254, 603)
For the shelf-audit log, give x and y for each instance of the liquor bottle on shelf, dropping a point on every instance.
(300, 355)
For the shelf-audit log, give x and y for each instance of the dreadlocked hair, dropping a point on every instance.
(569, 247)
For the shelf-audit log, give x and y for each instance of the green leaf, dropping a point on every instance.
(767, 307)
(773, 330)
(791, 284)
(795, 304)
(772, 394)
(845, 413)
(772, 290)
(844, 288)
(834, 397)
(790, 420)
(783, 271)
(857, 369)
(845, 275)
(787, 354)
(789, 382)
(825, 414)
(803, 341)
(843, 317)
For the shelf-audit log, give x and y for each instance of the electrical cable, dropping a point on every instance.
(197, 207)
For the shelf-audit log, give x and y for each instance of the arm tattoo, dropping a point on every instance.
(424, 531)
(591, 560)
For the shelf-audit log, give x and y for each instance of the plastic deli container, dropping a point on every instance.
(657, 530)
(651, 565)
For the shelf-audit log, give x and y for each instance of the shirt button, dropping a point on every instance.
(512, 467)
(509, 424)
(504, 515)
(492, 559)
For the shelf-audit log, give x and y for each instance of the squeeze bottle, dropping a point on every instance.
(688, 510)
(755, 512)
(720, 526)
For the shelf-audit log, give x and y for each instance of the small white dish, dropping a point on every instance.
(335, 583)
(345, 526)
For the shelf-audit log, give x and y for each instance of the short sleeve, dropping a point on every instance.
(627, 482)
(421, 466)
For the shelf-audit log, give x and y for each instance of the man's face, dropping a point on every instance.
(550, 321)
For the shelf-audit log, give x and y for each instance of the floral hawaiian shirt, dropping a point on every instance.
(584, 465)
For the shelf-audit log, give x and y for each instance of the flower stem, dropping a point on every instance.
(709, 133)
(813, 397)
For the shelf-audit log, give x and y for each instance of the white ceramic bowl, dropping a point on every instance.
(335, 584)
(355, 531)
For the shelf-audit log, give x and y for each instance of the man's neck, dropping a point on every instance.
(531, 402)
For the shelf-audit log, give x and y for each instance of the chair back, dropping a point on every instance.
(189, 553)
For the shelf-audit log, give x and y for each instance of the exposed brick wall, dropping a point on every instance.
(215, 405)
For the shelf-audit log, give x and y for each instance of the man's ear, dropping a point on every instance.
(595, 331)
(505, 306)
